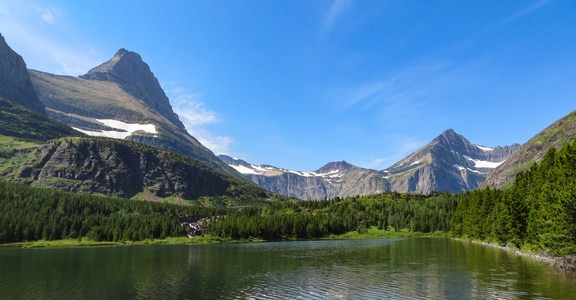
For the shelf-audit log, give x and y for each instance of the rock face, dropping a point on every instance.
(128, 70)
(449, 163)
(121, 91)
(562, 131)
(118, 168)
(15, 83)
(336, 179)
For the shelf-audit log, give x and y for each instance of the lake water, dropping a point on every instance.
(415, 268)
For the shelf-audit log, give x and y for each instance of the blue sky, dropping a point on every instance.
(299, 83)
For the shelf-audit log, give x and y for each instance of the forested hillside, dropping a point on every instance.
(538, 212)
(315, 219)
(30, 214)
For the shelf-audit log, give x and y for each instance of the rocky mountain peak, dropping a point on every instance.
(15, 83)
(337, 165)
(128, 70)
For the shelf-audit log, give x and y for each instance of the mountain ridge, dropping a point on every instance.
(15, 82)
(553, 136)
(448, 163)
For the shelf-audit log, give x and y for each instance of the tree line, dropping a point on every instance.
(314, 219)
(538, 212)
(29, 213)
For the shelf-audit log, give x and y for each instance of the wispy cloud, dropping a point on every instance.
(402, 148)
(47, 14)
(334, 13)
(38, 35)
(525, 11)
(196, 117)
(400, 93)
(519, 14)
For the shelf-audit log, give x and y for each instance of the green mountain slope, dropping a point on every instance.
(554, 136)
(18, 121)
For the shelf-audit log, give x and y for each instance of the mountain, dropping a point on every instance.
(122, 99)
(15, 83)
(449, 163)
(39, 151)
(336, 179)
(553, 136)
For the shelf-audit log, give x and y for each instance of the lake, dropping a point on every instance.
(412, 268)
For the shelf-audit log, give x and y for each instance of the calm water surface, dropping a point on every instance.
(419, 268)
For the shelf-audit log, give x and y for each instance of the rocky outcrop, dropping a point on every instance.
(15, 83)
(449, 163)
(123, 169)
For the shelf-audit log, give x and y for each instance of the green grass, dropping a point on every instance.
(372, 233)
(375, 233)
(72, 243)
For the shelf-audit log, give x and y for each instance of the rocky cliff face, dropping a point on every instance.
(15, 83)
(448, 163)
(562, 131)
(336, 179)
(117, 168)
(128, 70)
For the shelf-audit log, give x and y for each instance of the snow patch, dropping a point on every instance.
(415, 163)
(484, 148)
(482, 163)
(127, 129)
(243, 169)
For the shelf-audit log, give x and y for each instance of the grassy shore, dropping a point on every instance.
(370, 233)
(69, 243)
(375, 233)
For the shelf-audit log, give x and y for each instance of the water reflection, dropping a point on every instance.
(368, 269)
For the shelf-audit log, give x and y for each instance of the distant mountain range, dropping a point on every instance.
(448, 163)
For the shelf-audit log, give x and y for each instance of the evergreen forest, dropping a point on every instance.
(537, 213)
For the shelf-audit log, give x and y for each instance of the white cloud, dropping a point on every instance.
(46, 14)
(196, 117)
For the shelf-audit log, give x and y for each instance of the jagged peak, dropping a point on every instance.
(127, 69)
(336, 165)
(123, 63)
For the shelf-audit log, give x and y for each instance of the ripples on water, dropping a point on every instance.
(366, 269)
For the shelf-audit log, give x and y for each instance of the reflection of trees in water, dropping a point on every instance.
(428, 268)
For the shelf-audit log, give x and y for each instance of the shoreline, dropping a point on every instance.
(371, 233)
(566, 263)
